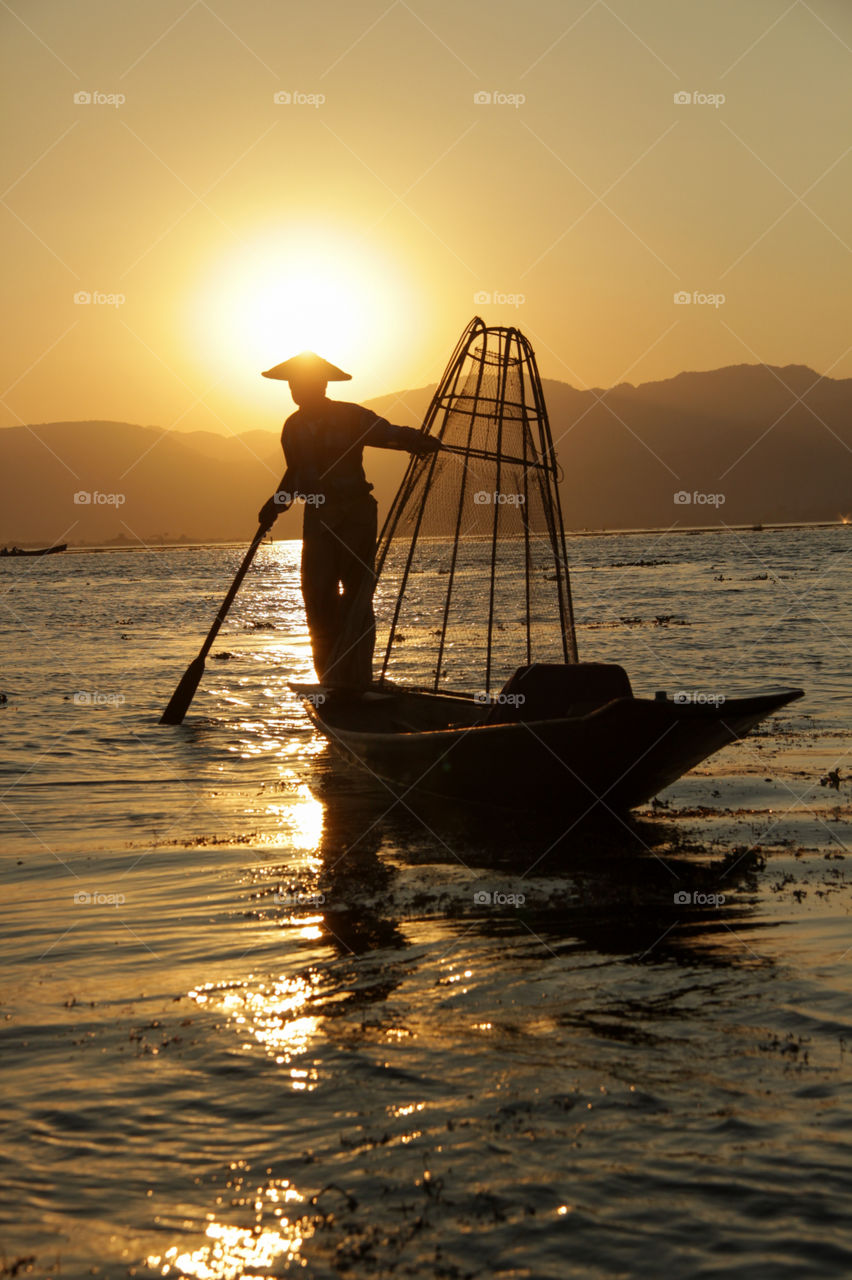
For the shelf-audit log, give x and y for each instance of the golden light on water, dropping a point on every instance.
(232, 1252)
(307, 820)
(271, 1015)
(402, 1112)
(302, 819)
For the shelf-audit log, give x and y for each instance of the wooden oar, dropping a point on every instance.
(191, 678)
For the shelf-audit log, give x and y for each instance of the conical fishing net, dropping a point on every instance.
(473, 579)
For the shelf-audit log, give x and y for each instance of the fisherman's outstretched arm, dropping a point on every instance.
(382, 434)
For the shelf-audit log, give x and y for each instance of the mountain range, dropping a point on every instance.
(746, 444)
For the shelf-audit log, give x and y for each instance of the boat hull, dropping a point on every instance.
(619, 755)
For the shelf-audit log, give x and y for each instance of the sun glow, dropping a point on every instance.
(305, 289)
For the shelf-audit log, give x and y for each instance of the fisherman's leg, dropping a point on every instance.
(320, 591)
(353, 665)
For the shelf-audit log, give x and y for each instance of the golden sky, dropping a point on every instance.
(232, 182)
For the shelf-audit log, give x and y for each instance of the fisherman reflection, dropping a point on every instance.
(323, 443)
(357, 882)
(609, 885)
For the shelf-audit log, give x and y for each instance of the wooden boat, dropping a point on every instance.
(39, 551)
(586, 754)
(474, 542)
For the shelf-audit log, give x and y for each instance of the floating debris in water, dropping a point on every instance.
(661, 620)
(637, 564)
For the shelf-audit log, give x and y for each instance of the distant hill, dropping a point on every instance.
(775, 443)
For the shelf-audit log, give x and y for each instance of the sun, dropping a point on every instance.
(305, 289)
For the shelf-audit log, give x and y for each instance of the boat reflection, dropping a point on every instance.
(384, 873)
(633, 887)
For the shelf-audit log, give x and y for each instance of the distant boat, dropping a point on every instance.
(39, 551)
(557, 733)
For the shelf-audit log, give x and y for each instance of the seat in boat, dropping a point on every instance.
(551, 691)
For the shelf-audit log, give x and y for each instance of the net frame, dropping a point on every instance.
(504, 349)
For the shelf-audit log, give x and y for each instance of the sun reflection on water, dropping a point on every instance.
(304, 818)
(399, 1112)
(232, 1252)
(270, 1013)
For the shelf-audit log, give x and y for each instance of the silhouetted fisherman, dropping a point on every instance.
(323, 443)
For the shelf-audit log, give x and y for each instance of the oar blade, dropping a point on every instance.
(184, 693)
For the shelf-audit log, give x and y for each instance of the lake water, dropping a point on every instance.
(256, 1020)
